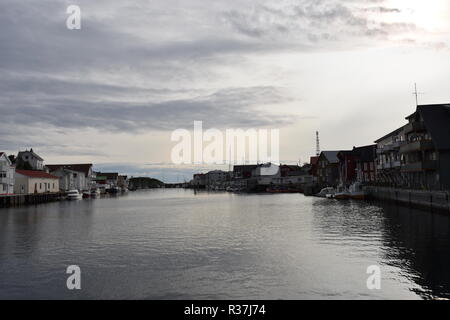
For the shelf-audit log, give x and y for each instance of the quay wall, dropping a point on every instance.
(28, 199)
(432, 200)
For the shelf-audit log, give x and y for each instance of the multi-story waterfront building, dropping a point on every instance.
(357, 165)
(29, 160)
(365, 160)
(328, 169)
(417, 155)
(347, 168)
(70, 179)
(388, 158)
(426, 151)
(84, 176)
(7, 171)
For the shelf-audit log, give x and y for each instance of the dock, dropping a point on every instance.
(431, 200)
(28, 199)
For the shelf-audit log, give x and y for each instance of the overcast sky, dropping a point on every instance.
(113, 92)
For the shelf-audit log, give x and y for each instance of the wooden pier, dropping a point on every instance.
(28, 199)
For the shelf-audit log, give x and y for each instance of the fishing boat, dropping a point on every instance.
(86, 194)
(356, 191)
(73, 195)
(342, 193)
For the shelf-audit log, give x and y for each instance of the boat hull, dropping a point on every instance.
(342, 196)
(358, 196)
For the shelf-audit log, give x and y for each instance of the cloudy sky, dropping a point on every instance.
(113, 92)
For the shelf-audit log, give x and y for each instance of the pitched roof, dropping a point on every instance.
(331, 156)
(32, 152)
(36, 174)
(85, 167)
(437, 122)
(366, 153)
(390, 134)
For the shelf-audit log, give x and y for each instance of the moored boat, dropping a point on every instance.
(356, 191)
(326, 192)
(95, 193)
(342, 194)
(73, 195)
(86, 195)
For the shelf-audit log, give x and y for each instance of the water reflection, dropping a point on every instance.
(177, 244)
(413, 241)
(421, 244)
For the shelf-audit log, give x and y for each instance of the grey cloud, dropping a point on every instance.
(235, 107)
(310, 21)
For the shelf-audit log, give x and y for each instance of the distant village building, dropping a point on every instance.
(122, 182)
(217, 176)
(80, 176)
(107, 178)
(347, 168)
(357, 165)
(32, 181)
(365, 157)
(71, 180)
(328, 169)
(265, 174)
(7, 171)
(243, 171)
(313, 167)
(29, 160)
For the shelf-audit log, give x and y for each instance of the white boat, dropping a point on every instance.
(326, 192)
(356, 191)
(74, 195)
(95, 193)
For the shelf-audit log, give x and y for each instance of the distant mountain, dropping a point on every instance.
(144, 183)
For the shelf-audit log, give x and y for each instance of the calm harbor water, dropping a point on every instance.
(177, 244)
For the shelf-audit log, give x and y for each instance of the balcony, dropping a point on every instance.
(398, 144)
(414, 127)
(420, 166)
(417, 146)
(389, 165)
(390, 147)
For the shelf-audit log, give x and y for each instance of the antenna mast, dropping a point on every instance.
(416, 94)
(317, 144)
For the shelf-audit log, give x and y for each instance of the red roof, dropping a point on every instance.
(36, 174)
